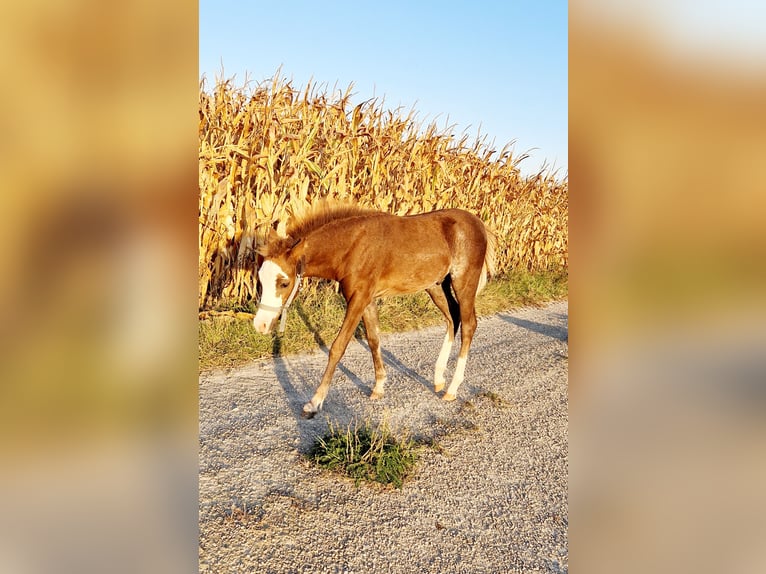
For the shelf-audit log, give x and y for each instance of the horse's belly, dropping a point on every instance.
(402, 290)
(411, 283)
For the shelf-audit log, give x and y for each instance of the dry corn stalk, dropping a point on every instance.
(267, 151)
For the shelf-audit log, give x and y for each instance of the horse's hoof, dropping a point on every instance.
(438, 387)
(307, 414)
(448, 397)
(375, 396)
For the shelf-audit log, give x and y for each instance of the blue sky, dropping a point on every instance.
(501, 65)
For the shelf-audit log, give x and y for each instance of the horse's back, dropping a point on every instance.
(414, 252)
(460, 228)
(451, 214)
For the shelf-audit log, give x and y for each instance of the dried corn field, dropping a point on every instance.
(266, 152)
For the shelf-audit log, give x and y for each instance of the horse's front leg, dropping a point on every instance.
(354, 310)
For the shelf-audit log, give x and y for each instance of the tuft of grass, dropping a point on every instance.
(365, 452)
(520, 288)
(494, 398)
(314, 319)
(243, 515)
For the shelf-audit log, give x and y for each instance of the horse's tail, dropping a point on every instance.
(488, 268)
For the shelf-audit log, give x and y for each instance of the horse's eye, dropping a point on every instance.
(283, 284)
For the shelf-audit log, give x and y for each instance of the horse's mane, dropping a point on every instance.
(311, 218)
(320, 214)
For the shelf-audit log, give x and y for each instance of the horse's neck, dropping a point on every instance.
(320, 258)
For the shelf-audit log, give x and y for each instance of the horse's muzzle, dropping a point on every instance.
(264, 322)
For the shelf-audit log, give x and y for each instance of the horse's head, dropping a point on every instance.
(280, 277)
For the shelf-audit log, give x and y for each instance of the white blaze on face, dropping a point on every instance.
(268, 275)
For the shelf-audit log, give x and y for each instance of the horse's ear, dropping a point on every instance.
(273, 236)
(280, 228)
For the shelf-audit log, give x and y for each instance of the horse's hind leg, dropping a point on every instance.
(372, 327)
(465, 291)
(443, 299)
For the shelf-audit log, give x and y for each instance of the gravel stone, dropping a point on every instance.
(489, 495)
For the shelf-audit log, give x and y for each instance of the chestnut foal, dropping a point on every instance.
(373, 254)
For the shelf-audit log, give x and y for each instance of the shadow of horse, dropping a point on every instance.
(289, 379)
(558, 332)
(308, 431)
(391, 361)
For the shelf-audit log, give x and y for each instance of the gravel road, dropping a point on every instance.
(491, 497)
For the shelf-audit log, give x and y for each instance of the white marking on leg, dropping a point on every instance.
(457, 379)
(378, 389)
(268, 275)
(441, 363)
(313, 406)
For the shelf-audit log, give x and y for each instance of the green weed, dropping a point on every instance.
(494, 398)
(366, 452)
